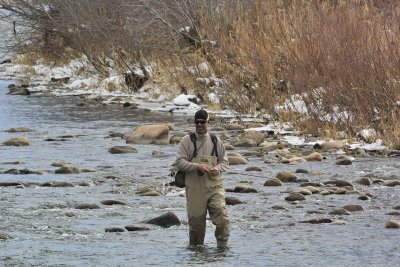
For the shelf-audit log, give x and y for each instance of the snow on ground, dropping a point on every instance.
(91, 85)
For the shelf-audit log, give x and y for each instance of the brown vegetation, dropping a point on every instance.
(340, 58)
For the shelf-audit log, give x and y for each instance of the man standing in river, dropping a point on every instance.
(203, 158)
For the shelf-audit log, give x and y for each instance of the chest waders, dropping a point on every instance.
(206, 193)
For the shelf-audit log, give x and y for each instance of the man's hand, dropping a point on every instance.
(203, 168)
(214, 171)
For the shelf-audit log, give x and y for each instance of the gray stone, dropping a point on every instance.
(253, 169)
(286, 176)
(317, 221)
(295, 197)
(111, 202)
(353, 207)
(340, 211)
(273, 182)
(135, 228)
(122, 150)
(166, 220)
(232, 201)
(17, 141)
(392, 224)
(87, 206)
(364, 181)
(67, 170)
(114, 230)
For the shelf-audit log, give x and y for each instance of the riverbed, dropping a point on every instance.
(46, 229)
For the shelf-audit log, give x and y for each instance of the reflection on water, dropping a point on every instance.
(205, 254)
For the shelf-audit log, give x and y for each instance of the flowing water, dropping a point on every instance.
(47, 230)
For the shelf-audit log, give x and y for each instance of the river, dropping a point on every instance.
(46, 229)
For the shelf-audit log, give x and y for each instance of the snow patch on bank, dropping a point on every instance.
(82, 81)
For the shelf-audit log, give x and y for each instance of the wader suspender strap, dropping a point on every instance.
(213, 139)
(193, 138)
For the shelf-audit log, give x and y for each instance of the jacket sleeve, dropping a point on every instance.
(223, 163)
(184, 155)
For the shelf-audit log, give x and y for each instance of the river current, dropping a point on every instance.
(46, 229)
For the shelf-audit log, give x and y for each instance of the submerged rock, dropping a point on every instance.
(353, 207)
(7, 184)
(340, 211)
(114, 230)
(19, 91)
(339, 183)
(150, 193)
(111, 202)
(253, 169)
(87, 206)
(317, 221)
(61, 184)
(166, 220)
(392, 224)
(19, 130)
(67, 170)
(244, 188)
(4, 236)
(232, 201)
(364, 181)
(122, 150)
(392, 183)
(17, 141)
(273, 182)
(134, 228)
(295, 197)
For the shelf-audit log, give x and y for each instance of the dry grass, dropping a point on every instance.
(342, 59)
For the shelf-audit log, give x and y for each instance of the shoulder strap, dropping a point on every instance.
(194, 139)
(214, 140)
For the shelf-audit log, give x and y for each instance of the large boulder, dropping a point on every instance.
(149, 134)
(258, 137)
(335, 144)
(315, 156)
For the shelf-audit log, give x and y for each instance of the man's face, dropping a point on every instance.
(201, 126)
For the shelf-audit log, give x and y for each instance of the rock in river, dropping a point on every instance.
(149, 134)
(166, 220)
(122, 150)
(17, 141)
(392, 224)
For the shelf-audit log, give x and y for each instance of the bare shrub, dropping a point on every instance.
(340, 57)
